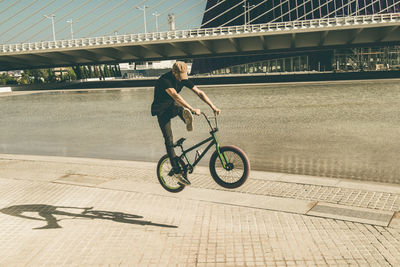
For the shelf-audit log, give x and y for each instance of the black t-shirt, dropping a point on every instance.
(162, 100)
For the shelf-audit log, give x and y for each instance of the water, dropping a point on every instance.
(341, 129)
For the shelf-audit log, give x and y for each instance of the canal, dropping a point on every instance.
(346, 130)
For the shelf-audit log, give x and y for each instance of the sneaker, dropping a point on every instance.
(180, 179)
(187, 116)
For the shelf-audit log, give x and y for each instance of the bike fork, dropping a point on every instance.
(221, 156)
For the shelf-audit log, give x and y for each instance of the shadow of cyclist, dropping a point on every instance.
(48, 212)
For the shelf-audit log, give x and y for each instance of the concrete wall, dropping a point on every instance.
(5, 89)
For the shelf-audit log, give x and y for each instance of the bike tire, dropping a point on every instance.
(240, 165)
(166, 181)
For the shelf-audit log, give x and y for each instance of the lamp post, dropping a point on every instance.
(156, 15)
(52, 24)
(144, 16)
(245, 13)
(249, 8)
(71, 21)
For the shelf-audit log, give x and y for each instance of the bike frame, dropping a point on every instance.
(213, 141)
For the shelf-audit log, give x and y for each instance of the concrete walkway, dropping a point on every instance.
(88, 212)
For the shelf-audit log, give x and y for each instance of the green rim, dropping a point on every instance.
(162, 177)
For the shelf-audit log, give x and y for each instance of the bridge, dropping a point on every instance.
(232, 40)
(265, 27)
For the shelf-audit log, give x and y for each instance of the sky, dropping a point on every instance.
(23, 21)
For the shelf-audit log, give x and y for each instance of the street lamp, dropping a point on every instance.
(245, 13)
(144, 15)
(52, 23)
(247, 8)
(156, 15)
(71, 21)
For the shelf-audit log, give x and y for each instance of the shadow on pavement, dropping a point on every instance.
(48, 212)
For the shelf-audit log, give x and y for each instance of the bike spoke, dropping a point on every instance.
(169, 180)
(230, 176)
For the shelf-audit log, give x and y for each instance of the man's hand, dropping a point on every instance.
(196, 111)
(216, 110)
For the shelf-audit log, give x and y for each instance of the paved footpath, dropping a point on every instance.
(88, 212)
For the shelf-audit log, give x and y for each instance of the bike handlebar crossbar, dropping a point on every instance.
(208, 120)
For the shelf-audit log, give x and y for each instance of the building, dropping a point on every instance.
(238, 12)
(147, 68)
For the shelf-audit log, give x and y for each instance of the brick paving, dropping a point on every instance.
(48, 223)
(332, 194)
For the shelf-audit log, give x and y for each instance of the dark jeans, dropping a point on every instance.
(164, 120)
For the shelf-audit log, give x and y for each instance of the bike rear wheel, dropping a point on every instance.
(168, 182)
(236, 170)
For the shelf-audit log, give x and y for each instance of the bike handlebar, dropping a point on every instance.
(208, 120)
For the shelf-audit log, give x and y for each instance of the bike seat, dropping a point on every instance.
(179, 142)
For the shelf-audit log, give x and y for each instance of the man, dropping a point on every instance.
(168, 104)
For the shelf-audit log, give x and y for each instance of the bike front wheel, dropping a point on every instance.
(168, 182)
(234, 170)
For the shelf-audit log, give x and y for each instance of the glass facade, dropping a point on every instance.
(288, 64)
(367, 59)
(343, 60)
(240, 12)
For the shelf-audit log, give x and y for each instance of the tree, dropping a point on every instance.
(71, 74)
(85, 72)
(78, 72)
(38, 75)
(96, 72)
(107, 72)
(49, 75)
(90, 72)
(101, 72)
(26, 77)
(119, 71)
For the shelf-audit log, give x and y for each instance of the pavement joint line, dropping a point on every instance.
(277, 177)
(307, 212)
(176, 196)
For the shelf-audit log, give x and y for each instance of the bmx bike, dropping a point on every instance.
(229, 165)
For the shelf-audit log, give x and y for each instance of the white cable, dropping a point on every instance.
(10, 6)
(26, 18)
(105, 13)
(306, 14)
(390, 6)
(302, 4)
(140, 25)
(191, 7)
(187, 10)
(224, 13)
(373, 2)
(15, 14)
(31, 26)
(204, 12)
(133, 19)
(69, 13)
(47, 27)
(244, 14)
(110, 22)
(282, 15)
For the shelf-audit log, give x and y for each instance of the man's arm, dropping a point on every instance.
(204, 97)
(179, 99)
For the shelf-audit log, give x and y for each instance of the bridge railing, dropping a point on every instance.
(185, 34)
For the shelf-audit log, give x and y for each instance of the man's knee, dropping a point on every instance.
(169, 143)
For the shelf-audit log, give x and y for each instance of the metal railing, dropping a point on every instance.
(184, 34)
